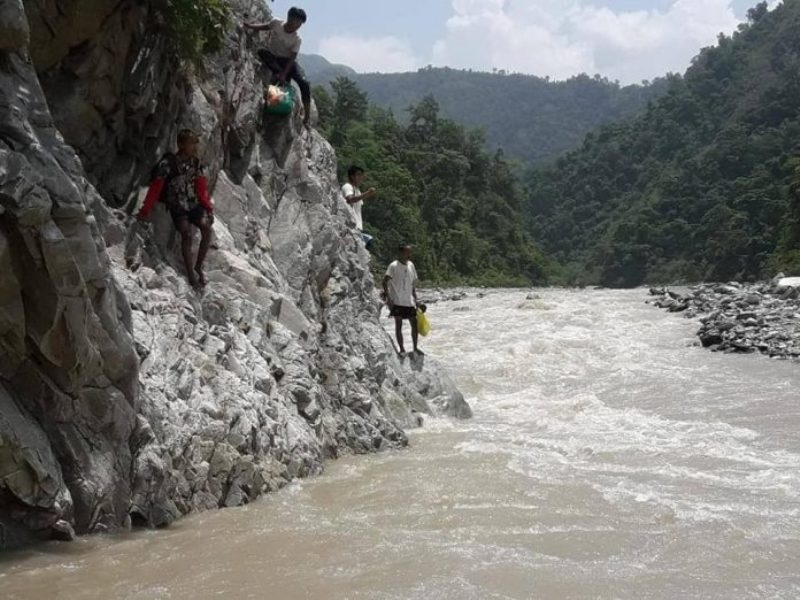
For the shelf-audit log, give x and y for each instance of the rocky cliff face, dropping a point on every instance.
(126, 397)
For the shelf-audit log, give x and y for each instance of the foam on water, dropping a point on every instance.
(609, 457)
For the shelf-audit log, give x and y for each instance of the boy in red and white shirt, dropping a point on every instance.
(179, 181)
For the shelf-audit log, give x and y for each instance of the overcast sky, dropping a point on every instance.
(629, 40)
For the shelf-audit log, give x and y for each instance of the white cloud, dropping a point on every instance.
(561, 38)
(386, 54)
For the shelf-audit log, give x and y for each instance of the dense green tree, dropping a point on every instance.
(325, 107)
(700, 185)
(351, 103)
(439, 189)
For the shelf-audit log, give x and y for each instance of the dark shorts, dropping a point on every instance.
(195, 215)
(404, 312)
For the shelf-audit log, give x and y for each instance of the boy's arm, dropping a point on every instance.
(201, 187)
(259, 26)
(153, 194)
(352, 198)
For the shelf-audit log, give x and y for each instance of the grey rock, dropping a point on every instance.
(14, 30)
(126, 397)
(744, 318)
(711, 338)
(76, 374)
(753, 298)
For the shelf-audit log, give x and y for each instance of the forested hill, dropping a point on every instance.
(321, 71)
(530, 118)
(703, 185)
(438, 188)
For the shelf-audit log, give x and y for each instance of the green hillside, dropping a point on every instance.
(322, 71)
(532, 119)
(703, 185)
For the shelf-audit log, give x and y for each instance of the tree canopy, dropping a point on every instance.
(703, 185)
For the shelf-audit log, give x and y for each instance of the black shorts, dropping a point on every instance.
(196, 214)
(404, 312)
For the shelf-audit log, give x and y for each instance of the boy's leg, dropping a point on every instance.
(270, 61)
(185, 231)
(368, 239)
(398, 332)
(299, 76)
(206, 231)
(414, 333)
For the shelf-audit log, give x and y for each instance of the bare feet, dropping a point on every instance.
(201, 278)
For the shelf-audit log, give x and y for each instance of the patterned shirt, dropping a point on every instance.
(180, 182)
(180, 175)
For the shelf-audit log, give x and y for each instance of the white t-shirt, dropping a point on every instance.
(281, 43)
(401, 285)
(349, 190)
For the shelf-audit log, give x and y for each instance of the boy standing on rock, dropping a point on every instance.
(180, 181)
(355, 199)
(400, 289)
(281, 51)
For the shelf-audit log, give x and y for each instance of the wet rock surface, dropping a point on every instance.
(742, 318)
(126, 397)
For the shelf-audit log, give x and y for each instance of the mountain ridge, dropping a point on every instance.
(548, 117)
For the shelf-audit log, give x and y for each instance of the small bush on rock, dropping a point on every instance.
(199, 25)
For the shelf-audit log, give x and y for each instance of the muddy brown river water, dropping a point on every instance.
(608, 458)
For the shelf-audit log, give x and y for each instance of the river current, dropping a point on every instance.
(609, 457)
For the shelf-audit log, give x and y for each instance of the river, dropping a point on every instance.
(609, 457)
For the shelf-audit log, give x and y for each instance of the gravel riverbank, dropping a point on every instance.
(743, 318)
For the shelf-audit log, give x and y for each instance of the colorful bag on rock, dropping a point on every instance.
(280, 100)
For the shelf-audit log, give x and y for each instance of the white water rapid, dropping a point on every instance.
(608, 457)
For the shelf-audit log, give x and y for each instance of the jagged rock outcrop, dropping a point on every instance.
(125, 396)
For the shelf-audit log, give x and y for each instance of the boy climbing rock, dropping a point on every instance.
(280, 53)
(179, 181)
(355, 199)
(400, 289)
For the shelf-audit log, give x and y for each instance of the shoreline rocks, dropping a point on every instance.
(742, 318)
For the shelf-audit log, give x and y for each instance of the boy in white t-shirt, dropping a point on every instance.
(400, 290)
(355, 200)
(281, 51)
